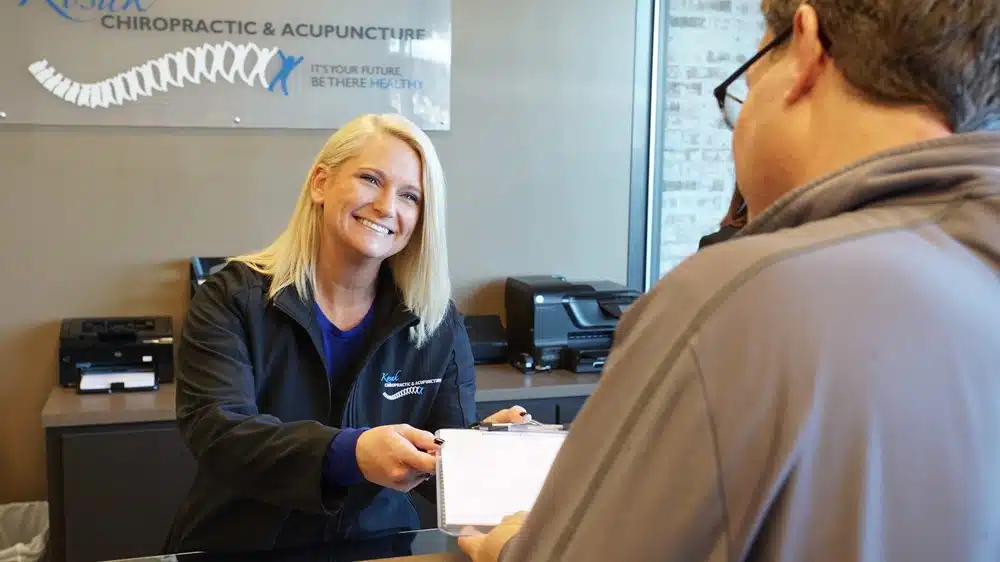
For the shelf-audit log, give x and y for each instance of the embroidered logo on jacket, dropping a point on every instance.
(394, 389)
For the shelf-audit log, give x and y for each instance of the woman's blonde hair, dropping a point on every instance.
(420, 269)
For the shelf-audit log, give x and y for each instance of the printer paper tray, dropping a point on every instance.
(103, 382)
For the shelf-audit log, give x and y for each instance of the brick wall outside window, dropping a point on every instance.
(706, 41)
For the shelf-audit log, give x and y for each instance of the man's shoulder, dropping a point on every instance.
(724, 267)
(802, 259)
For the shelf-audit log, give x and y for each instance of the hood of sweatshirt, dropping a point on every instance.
(954, 167)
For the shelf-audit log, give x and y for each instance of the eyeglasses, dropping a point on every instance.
(730, 104)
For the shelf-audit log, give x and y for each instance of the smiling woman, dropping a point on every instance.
(348, 180)
(306, 369)
(372, 203)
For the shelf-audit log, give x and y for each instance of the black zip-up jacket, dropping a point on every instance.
(257, 409)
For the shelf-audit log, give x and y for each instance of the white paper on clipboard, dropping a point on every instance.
(484, 476)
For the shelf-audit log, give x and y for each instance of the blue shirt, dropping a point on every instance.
(341, 347)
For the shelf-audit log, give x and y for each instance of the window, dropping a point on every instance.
(696, 45)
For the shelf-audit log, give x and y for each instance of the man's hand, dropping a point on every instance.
(514, 414)
(486, 548)
(396, 456)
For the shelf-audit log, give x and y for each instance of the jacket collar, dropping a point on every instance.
(391, 313)
(936, 170)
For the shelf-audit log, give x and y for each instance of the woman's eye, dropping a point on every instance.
(370, 178)
(412, 197)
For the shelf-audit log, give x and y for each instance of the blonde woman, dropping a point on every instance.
(312, 373)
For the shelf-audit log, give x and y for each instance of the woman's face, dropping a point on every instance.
(372, 203)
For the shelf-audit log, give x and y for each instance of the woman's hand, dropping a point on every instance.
(514, 414)
(396, 456)
(486, 548)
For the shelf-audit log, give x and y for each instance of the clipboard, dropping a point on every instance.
(492, 471)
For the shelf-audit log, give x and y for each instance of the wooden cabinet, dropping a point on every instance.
(114, 489)
(118, 469)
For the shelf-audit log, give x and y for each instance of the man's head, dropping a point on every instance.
(849, 78)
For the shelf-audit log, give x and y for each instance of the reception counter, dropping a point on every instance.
(494, 384)
(417, 546)
(112, 457)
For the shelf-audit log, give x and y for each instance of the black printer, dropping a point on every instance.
(553, 323)
(129, 346)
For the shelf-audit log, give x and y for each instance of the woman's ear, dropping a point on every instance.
(806, 50)
(317, 183)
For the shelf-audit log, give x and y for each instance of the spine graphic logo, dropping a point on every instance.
(191, 65)
(404, 392)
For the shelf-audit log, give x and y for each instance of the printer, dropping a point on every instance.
(114, 354)
(553, 323)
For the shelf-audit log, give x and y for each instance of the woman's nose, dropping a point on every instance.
(385, 203)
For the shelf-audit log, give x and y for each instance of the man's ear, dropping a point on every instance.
(317, 183)
(806, 51)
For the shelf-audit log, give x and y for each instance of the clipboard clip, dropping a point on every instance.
(529, 427)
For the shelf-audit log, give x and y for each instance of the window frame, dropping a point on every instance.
(647, 135)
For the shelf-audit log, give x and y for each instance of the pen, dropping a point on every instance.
(480, 424)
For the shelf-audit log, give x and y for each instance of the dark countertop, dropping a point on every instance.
(428, 545)
(503, 383)
(495, 383)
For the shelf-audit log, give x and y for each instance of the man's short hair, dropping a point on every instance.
(941, 54)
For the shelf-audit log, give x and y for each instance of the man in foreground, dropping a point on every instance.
(825, 386)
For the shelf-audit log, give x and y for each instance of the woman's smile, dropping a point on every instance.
(374, 226)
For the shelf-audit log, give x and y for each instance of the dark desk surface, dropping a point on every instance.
(419, 546)
(495, 383)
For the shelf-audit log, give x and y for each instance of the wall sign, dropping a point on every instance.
(299, 64)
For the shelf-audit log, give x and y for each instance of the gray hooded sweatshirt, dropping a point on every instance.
(823, 388)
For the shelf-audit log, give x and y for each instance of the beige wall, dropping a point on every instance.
(99, 221)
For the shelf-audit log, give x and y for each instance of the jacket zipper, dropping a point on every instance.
(348, 419)
(317, 347)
